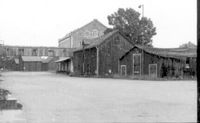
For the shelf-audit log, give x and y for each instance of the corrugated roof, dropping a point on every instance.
(61, 59)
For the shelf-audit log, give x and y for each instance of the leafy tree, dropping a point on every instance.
(139, 29)
(188, 45)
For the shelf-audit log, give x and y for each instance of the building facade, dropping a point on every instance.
(37, 51)
(158, 62)
(101, 57)
(91, 30)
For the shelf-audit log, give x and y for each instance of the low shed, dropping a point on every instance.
(64, 64)
(32, 63)
(158, 62)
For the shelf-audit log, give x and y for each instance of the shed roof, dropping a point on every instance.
(61, 59)
(168, 52)
(31, 58)
(46, 60)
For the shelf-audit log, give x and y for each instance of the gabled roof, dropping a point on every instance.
(98, 41)
(167, 52)
(74, 31)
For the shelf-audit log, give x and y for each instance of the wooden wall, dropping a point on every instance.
(166, 66)
(110, 52)
(85, 62)
(33, 66)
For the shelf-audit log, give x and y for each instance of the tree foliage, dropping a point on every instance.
(139, 29)
(188, 45)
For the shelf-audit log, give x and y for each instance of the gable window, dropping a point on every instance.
(116, 39)
(87, 34)
(95, 33)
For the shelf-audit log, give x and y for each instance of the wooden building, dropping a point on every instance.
(158, 62)
(36, 63)
(32, 63)
(37, 51)
(100, 56)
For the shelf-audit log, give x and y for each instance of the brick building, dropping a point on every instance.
(37, 51)
(91, 30)
(33, 58)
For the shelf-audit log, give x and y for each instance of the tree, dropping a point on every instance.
(139, 29)
(188, 45)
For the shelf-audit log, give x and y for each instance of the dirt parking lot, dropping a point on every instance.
(54, 98)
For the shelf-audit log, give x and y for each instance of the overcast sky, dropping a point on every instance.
(43, 22)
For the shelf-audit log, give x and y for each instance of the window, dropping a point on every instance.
(187, 63)
(34, 52)
(117, 40)
(95, 33)
(21, 51)
(51, 53)
(87, 34)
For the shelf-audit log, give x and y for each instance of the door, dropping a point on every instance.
(153, 70)
(136, 64)
(123, 70)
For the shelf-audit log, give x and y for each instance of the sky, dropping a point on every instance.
(43, 22)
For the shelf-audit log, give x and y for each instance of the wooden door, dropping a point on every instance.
(153, 70)
(123, 70)
(136, 64)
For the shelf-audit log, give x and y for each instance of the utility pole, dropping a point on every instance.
(83, 55)
(142, 6)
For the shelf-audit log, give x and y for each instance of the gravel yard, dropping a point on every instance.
(54, 98)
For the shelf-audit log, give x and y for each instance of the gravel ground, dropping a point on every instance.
(54, 98)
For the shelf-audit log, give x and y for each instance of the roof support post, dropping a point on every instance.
(97, 65)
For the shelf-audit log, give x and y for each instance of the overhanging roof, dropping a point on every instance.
(63, 59)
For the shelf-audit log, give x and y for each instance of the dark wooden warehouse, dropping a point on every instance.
(158, 62)
(100, 57)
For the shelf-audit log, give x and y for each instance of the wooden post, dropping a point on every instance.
(97, 65)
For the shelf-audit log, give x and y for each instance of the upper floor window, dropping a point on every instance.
(21, 51)
(51, 53)
(34, 52)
